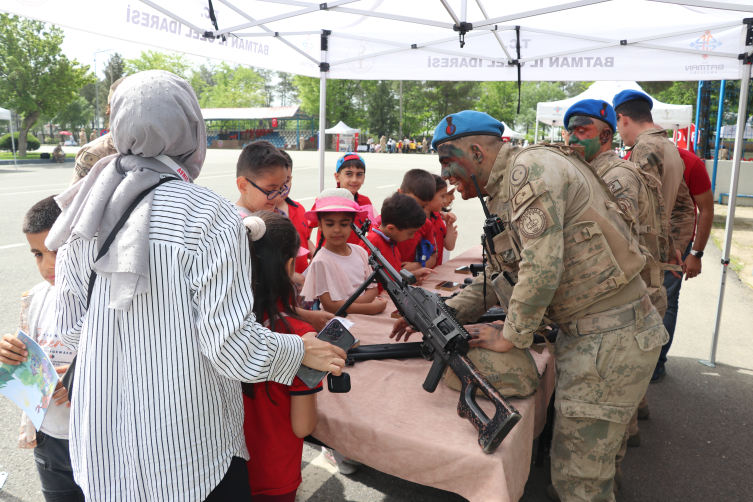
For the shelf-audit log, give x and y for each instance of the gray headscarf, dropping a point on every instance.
(153, 113)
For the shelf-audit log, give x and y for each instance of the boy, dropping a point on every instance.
(260, 176)
(421, 187)
(39, 322)
(401, 218)
(295, 211)
(350, 173)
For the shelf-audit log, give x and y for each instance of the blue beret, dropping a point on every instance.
(466, 123)
(349, 156)
(595, 108)
(629, 95)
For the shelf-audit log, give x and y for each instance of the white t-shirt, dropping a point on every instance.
(58, 417)
(337, 275)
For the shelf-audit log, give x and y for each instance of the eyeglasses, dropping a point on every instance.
(274, 193)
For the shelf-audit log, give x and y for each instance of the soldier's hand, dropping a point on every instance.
(401, 329)
(489, 336)
(677, 260)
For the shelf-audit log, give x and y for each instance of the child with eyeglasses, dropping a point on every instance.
(261, 174)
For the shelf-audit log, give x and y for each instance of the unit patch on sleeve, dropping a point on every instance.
(532, 222)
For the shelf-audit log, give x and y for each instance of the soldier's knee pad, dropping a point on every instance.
(512, 373)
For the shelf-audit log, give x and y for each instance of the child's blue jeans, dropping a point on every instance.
(55, 471)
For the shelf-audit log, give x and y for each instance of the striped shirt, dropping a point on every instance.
(157, 411)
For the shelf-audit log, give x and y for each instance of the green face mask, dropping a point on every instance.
(591, 145)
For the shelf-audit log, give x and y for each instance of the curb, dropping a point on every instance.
(32, 161)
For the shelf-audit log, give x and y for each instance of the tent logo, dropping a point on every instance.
(557, 109)
(359, 49)
(706, 42)
(308, 44)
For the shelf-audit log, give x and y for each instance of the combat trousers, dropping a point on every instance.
(603, 367)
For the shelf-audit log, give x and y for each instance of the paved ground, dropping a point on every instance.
(696, 446)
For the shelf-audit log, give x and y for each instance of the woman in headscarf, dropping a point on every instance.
(168, 332)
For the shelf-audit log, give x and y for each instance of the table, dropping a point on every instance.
(388, 422)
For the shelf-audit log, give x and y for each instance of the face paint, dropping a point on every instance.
(457, 167)
(584, 132)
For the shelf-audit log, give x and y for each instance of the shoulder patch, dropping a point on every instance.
(523, 195)
(518, 175)
(625, 205)
(532, 222)
(615, 186)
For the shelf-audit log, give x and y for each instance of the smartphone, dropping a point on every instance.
(448, 285)
(336, 334)
(465, 269)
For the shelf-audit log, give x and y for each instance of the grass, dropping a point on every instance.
(9, 155)
(735, 264)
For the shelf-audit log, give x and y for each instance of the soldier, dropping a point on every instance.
(578, 266)
(382, 144)
(82, 136)
(424, 146)
(97, 148)
(637, 129)
(93, 135)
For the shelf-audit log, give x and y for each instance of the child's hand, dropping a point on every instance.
(12, 350)
(61, 393)
(379, 304)
(449, 218)
(318, 318)
(422, 274)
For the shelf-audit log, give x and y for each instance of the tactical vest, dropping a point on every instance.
(653, 232)
(600, 255)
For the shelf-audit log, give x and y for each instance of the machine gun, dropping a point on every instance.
(444, 340)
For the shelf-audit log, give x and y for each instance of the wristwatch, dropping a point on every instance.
(697, 254)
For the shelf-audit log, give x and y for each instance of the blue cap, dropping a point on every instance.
(349, 156)
(466, 123)
(629, 95)
(594, 108)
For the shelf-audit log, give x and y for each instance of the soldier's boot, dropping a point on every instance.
(634, 435)
(643, 412)
(634, 440)
(617, 478)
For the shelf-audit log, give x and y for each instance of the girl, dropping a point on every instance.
(445, 231)
(339, 268)
(277, 417)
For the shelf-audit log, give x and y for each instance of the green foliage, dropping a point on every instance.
(675, 93)
(500, 100)
(173, 62)
(77, 114)
(35, 77)
(238, 87)
(381, 103)
(285, 90)
(32, 143)
(345, 100)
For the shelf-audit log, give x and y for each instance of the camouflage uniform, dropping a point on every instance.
(90, 154)
(578, 266)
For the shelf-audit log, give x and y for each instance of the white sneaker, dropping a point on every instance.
(344, 464)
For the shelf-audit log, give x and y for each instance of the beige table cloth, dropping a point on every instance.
(389, 422)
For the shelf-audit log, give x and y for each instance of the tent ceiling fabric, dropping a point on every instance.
(414, 39)
(512, 133)
(666, 115)
(5, 114)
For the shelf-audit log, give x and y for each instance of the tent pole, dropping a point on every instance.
(742, 115)
(719, 118)
(697, 118)
(536, 133)
(324, 68)
(12, 141)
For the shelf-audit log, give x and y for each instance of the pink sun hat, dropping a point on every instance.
(335, 200)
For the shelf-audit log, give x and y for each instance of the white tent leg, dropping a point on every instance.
(323, 106)
(12, 141)
(742, 114)
(536, 133)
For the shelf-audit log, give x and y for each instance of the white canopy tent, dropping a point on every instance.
(341, 128)
(668, 116)
(511, 133)
(537, 40)
(6, 115)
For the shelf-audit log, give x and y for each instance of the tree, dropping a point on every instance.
(382, 109)
(35, 77)
(77, 114)
(238, 87)
(203, 78)
(500, 100)
(173, 62)
(285, 89)
(267, 87)
(345, 100)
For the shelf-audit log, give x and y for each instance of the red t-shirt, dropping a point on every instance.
(387, 247)
(295, 213)
(696, 176)
(276, 452)
(408, 247)
(440, 232)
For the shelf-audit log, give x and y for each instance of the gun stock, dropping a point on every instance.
(446, 342)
